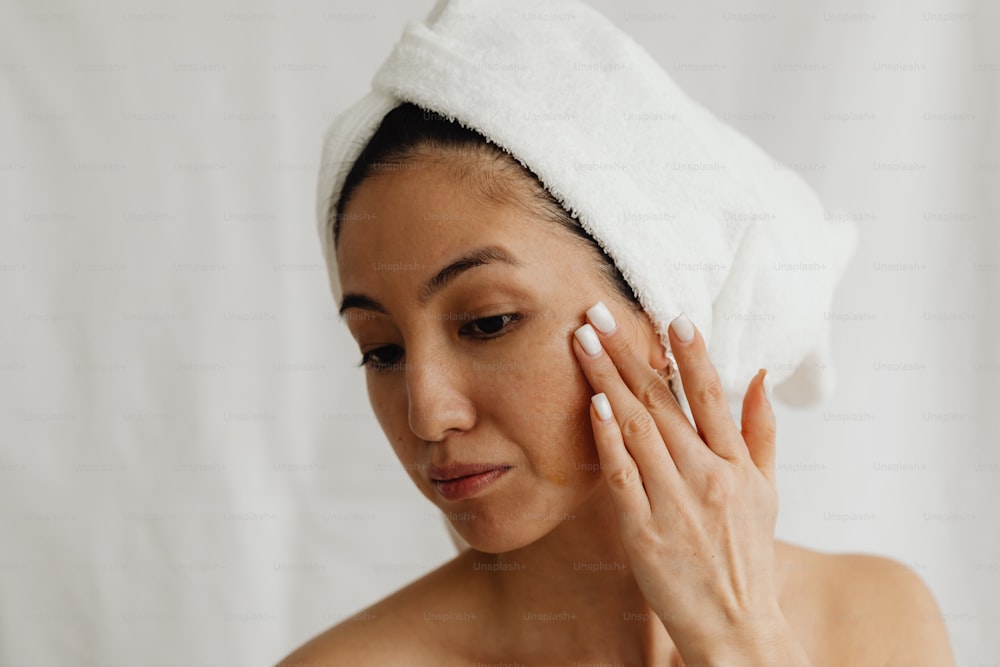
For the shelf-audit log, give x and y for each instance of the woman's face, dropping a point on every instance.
(462, 383)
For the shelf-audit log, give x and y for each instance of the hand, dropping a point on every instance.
(696, 508)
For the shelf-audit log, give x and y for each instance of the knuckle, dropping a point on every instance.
(623, 478)
(638, 424)
(761, 428)
(622, 345)
(768, 431)
(647, 539)
(719, 487)
(656, 394)
(711, 390)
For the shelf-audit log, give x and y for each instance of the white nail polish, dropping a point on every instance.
(588, 339)
(683, 328)
(601, 317)
(602, 406)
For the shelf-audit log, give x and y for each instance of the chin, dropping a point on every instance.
(492, 538)
(496, 544)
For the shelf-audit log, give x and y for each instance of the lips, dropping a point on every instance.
(457, 470)
(461, 481)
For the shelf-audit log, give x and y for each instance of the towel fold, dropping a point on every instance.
(696, 216)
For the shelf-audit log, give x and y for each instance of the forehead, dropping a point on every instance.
(410, 196)
(422, 215)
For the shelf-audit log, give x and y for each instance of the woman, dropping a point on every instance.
(530, 397)
(555, 575)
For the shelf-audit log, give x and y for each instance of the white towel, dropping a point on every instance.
(696, 216)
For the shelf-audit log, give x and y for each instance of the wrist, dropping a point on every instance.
(764, 641)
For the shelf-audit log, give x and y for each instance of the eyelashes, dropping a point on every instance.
(499, 325)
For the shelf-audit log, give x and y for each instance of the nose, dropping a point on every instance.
(439, 402)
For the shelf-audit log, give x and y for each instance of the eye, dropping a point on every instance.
(374, 359)
(494, 324)
(489, 328)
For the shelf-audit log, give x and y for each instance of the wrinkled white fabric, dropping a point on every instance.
(696, 216)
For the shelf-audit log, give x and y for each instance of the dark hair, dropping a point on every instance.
(409, 132)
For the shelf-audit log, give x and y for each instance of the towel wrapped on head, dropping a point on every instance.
(695, 216)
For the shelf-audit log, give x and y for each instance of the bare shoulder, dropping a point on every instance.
(873, 610)
(902, 613)
(389, 632)
(353, 641)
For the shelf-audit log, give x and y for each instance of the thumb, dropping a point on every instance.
(758, 425)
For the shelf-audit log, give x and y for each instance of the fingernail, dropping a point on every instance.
(767, 385)
(683, 328)
(602, 406)
(588, 340)
(601, 317)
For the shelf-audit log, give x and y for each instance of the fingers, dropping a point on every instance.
(646, 411)
(640, 438)
(759, 427)
(704, 391)
(619, 469)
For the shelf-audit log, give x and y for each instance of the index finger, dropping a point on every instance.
(679, 435)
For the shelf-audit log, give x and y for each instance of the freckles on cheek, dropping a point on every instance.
(391, 414)
(564, 446)
(554, 397)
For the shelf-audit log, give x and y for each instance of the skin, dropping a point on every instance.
(521, 399)
(524, 399)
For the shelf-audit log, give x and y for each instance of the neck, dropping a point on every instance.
(572, 593)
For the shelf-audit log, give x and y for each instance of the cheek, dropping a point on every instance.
(546, 402)
(393, 416)
(535, 394)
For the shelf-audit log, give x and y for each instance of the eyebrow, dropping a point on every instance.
(481, 256)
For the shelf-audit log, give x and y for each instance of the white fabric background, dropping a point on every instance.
(190, 472)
